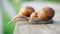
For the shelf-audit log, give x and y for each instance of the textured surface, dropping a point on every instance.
(22, 28)
(37, 29)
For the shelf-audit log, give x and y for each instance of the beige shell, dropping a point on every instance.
(46, 13)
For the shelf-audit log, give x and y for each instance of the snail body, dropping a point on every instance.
(46, 13)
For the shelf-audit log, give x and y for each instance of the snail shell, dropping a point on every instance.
(46, 13)
(26, 11)
(33, 15)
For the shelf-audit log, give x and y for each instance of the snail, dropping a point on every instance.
(33, 17)
(26, 11)
(46, 13)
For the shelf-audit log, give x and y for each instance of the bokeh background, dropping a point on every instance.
(10, 8)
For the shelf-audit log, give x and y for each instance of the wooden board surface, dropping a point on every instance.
(37, 29)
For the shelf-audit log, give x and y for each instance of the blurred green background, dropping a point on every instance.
(16, 4)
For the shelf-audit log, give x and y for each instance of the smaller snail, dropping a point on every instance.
(46, 13)
(33, 17)
(26, 11)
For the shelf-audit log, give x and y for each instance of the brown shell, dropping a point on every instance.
(46, 13)
(33, 15)
(26, 11)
